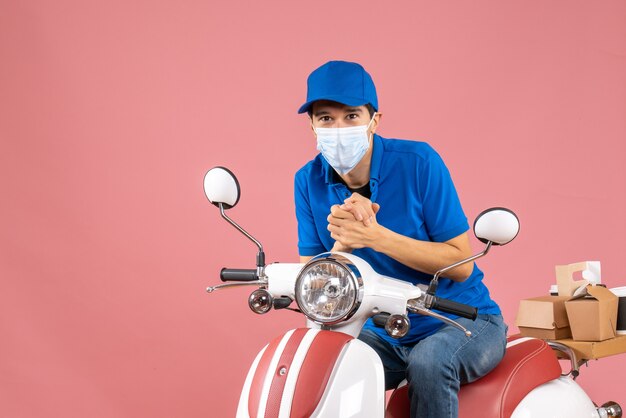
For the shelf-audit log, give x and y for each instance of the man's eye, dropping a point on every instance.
(324, 119)
(353, 116)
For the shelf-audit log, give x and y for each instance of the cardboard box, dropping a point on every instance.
(592, 350)
(593, 314)
(590, 272)
(543, 317)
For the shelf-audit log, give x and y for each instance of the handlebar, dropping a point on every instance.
(238, 275)
(454, 308)
(381, 319)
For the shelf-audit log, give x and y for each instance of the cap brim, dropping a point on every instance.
(346, 100)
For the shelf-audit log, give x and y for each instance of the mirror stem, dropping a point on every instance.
(432, 288)
(260, 258)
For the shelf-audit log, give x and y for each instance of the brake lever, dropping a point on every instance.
(415, 306)
(212, 289)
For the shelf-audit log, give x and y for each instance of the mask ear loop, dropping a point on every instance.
(368, 125)
(371, 120)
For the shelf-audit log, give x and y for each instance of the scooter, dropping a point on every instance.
(323, 370)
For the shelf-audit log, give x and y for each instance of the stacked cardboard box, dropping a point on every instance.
(592, 314)
(584, 316)
(544, 317)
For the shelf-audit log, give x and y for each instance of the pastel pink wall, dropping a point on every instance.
(111, 112)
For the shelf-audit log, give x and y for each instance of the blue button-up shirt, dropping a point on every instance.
(417, 199)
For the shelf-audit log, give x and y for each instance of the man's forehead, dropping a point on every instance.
(325, 106)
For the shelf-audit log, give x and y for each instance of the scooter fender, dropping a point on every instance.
(560, 398)
(314, 373)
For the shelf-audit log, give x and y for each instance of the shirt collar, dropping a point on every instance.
(377, 156)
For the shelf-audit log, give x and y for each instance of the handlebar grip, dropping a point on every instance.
(282, 302)
(238, 275)
(381, 319)
(455, 308)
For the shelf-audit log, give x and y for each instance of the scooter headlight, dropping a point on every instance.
(329, 289)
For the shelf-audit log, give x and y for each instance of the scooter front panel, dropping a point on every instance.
(316, 371)
(289, 377)
(284, 367)
(259, 389)
(356, 387)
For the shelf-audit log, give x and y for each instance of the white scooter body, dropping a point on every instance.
(324, 371)
(355, 387)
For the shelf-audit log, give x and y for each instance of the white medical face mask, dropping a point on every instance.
(343, 148)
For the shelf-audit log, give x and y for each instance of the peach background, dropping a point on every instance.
(111, 112)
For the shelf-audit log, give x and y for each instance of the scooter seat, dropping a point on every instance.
(527, 363)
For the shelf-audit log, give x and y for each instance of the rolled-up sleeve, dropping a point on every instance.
(309, 242)
(443, 215)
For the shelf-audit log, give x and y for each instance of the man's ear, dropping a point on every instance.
(377, 117)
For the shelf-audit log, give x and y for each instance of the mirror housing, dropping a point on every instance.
(221, 186)
(496, 225)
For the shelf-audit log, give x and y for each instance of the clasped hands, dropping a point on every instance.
(353, 224)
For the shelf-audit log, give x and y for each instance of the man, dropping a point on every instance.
(393, 203)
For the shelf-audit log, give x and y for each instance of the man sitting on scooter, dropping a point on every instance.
(393, 203)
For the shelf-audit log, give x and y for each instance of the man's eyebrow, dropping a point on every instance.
(322, 112)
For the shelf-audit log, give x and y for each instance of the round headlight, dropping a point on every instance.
(329, 289)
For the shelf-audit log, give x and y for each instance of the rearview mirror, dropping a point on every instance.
(496, 225)
(221, 186)
(222, 189)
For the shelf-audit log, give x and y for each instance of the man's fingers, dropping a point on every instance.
(355, 197)
(359, 208)
(360, 211)
(338, 212)
(333, 220)
(355, 210)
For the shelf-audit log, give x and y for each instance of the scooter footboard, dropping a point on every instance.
(305, 373)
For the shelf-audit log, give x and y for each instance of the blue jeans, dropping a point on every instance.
(438, 365)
